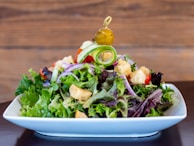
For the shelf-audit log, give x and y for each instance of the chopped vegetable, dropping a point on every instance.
(105, 36)
(100, 54)
(148, 79)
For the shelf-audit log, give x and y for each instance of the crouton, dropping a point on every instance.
(79, 93)
(123, 67)
(79, 114)
(145, 70)
(59, 63)
(68, 59)
(106, 56)
(139, 76)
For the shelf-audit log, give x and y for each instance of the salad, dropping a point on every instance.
(95, 83)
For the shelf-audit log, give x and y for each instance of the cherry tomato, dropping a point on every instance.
(88, 59)
(148, 79)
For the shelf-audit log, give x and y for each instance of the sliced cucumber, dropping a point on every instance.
(102, 54)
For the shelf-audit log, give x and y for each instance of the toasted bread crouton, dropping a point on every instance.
(123, 67)
(79, 93)
(145, 70)
(106, 56)
(79, 114)
(68, 59)
(139, 76)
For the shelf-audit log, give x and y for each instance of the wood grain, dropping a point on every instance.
(33, 33)
(66, 23)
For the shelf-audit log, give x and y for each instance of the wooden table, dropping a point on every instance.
(178, 135)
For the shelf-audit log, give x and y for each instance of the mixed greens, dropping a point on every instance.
(97, 83)
(92, 90)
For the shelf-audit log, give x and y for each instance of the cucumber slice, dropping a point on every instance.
(102, 54)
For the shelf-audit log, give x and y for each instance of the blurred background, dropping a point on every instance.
(34, 33)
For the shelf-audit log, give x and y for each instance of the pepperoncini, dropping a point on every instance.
(105, 36)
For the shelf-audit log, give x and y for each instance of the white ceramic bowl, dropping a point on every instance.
(100, 127)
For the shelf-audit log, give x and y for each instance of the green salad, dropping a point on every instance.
(95, 83)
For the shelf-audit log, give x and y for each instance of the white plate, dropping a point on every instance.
(100, 127)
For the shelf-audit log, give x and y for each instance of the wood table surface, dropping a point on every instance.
(178, 135)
